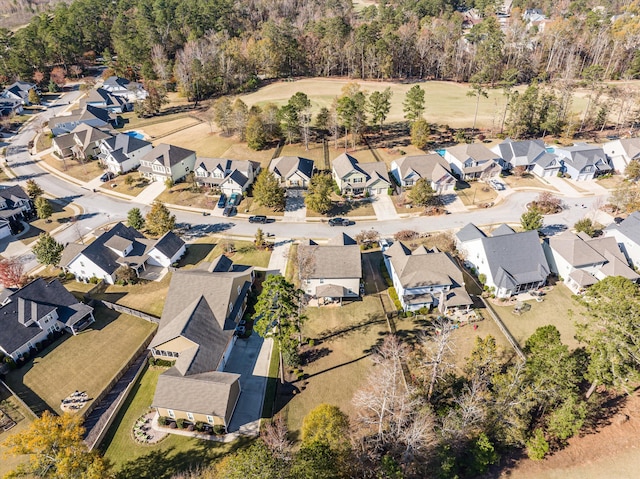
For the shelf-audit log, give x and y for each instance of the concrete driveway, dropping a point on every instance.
(383, 206)
(250, 358)
(295, 207)
(151, 192)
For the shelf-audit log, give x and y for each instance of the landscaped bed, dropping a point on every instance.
(87, 362)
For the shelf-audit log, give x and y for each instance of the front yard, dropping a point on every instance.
(343, 207)
(86, 362)
(157, 461)
(119, 184)
(476, 193)
(184, 194)
(61, 214)
(528, 180)
(81, 171)
(244, 252)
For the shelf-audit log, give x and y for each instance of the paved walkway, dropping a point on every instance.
(383, 206)
(279, 258)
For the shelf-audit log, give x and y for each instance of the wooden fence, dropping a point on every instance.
(504, 329)
(133, 312)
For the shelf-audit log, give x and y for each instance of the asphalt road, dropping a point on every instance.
(100, 208)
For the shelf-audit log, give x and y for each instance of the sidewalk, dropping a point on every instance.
(279, 258)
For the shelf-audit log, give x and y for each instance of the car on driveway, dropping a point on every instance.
(339, 222)
(234, 199)
(106, 177)
(229, 210)
(258, 219)
(222, 202)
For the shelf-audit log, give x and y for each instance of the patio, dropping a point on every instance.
(153, 273)
(143, 430)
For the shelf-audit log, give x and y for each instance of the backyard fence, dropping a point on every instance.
(504, 329)
(22, 403)
(133, 312)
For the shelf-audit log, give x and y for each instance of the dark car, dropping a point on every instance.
(339, 222)
(234, 199)
(222, 202)
(257, 219)
(229, 211)
(106, 177)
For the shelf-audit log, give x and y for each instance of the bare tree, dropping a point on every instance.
(274, 435)
(437, 352)
(160, 63)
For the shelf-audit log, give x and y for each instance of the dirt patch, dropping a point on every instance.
(612, 452)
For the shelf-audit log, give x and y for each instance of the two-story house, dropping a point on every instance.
(627, 235)
(292, 171)
(30, 314)
(196, 330)
(621, 152)
(425, 278)
(130, 90)
(473, 161)
(331, 271)
(120, 246)
(432, 167)
(582, 261)
(529, 154)
(509, 262)
(167, 162)
(122, 152)
(230, 176)
(354, 178)
(15, 205)
(83, 142)
(89, 115)
(584, 162)
(101, 98)
(19, 91)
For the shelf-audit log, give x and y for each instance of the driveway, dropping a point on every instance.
(294, 207)
(279, 257)
(563, 186)
(151, 192)
(383, 206)
(453, 203)
(250, 358)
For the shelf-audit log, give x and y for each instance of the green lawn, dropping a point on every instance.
(159, 461)
(86, 362)
(61, 214)
(146, 296)
(555, 310)
(245, 253)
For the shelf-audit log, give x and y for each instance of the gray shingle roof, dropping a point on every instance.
(432, 167)
(503, 229)
(469, 232)
(285, 166)
(581, 155)
(167, 155)
(520, 153)
(475, 151)
(125, 144)
(575, 250)
(334, 261)
(629, 227)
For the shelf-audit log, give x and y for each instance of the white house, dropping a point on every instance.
(582, 261)
(529, 154)
(432, 167)
(120, 246)
(101, 98)
(331, 271)
(19, 91)
(15, 205)
(425, 278)
(621, 152)
(584, 162)
(122, 153)
(354, 178)
(9, 106)
(167, 162)
(230, 176)
(131, 90)
(473, 160)
(627, 234)
(510, 262)
(292, 171)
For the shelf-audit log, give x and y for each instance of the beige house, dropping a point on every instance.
(292, 171)
(333, 271)
(167, 162)
(432, 168)
(83, 142)
(197, 327)
(355, 178)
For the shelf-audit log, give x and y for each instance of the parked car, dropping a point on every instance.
(229, 211)
(339, 222)
(258, 219)
(222, 202)
(234, 199)
(106, 177)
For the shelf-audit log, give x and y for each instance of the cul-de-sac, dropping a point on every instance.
(332, 239)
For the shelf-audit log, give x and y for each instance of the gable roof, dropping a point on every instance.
(431, 167)
(118, 84)
(582, 155)
(167, 155)
(88, 134)
(12, 194)
(469, 232)
(169, 244)
(340, 258)
(520, 153)
(630, 146)
(286, 166)
(629, 227)
(100, 95)
(576, 251)
(475, 151)
(503, 229)
(345, 164)
(122, 145)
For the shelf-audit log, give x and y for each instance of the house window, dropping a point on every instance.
(210, 419)
(190, 416)
(357, 180)
(239, 289)
(171, 413)
(230, 307)
(321, 280)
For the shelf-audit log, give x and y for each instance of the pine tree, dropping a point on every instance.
(44, 210)
(135, 218)
(267, 191)
(47, 250)
(160, 220)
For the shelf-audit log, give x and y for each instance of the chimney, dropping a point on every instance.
(34, 311)
(21, 311)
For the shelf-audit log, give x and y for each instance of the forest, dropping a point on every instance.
(206, 48)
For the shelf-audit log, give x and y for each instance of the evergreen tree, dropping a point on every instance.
(421, 194)
(267, 191)
(531, 219)
(47, 250)
(420, 133)
(414, 104)
(318, 196)
(44, 210)
(33, 189)
(159, 219)
(135, 218)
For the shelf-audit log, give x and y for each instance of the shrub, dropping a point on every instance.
(311, 343)
(172, 425)
(200, 426)
(405, 235)
(180, 423)
(163, 420)
(218, 430)
(165, 363)
(482, 278)
(394, 297)
(94, 280)
(152, 361)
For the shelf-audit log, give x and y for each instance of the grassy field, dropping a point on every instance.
(119, 184)
(146, 296)
(44, 142)
(476, 193)
(182, 194)
(15, 411)
(60, 216)
(86, 362)
(81, 171)
(553, 310)
(158, 461)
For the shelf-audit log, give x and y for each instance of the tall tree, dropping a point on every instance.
(420, 133)
(326, 423)
(240, 116)
(267, 191)
(33, 189)
(255, 133)
(318, 197)
(414, 104)
(44, 210)
(55, 449)
(135, 218)
(159, 219)
(421, 194)
(222, 114)
(288, 116)
(47, 250)
(477, 91)
(379, 106)
(301, 103)
(531, 219)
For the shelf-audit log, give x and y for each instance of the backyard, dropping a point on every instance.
(146, 296)
(158, 461)
(86, 362)
(11, 407)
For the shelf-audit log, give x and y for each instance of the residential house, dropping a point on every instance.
(167, 162)
(120, 246)
(122, 152)
(584, 162)
(292, 171)
(332, 271)
(90, 115)
(473, 161)
(627, 234)
(528, 154)
(230, 176)
(30, 314)
(425, 278)
(10, 106)
(621, 152)
(354, 178)
(15, 205)
(509, 262)
(432, 167)
(19, 91)
(83, 142)
(201, 311)
(582, 261)
(130, 90)
(101, 98)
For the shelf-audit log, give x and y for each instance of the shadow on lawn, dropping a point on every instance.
(196, 252)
